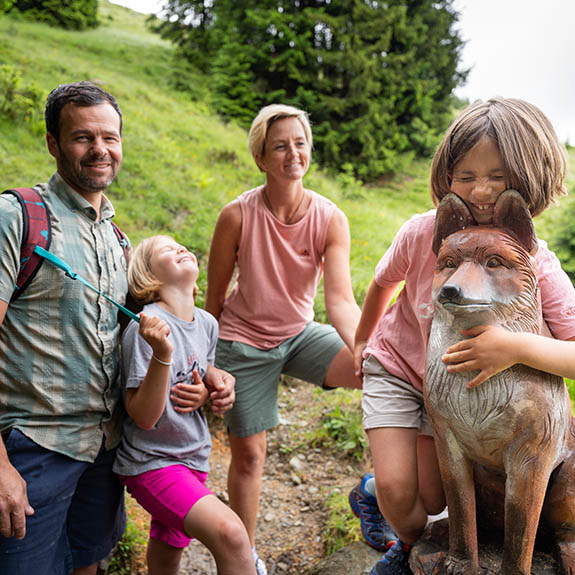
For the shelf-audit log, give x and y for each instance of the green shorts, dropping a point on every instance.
(305, 356)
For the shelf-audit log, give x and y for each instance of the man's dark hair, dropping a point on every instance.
(80, 94)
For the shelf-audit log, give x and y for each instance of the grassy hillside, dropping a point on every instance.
(181, 163)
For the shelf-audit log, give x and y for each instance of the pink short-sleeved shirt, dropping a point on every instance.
(399, 342)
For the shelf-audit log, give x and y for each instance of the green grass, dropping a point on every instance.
(340, 426)
(342, 528)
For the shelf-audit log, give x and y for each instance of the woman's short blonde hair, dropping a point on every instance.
(143, 285)
(266, 117)
(535, 162)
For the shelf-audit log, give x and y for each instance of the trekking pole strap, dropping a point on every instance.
(59, 263)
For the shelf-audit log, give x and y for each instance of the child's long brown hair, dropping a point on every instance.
(535, 161)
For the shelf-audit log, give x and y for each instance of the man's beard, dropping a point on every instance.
(74, 175)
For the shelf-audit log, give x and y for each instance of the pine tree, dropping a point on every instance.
(190, 25)
(73, 14)
(376, 77)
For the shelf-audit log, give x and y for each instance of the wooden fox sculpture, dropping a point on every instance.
(506, 448)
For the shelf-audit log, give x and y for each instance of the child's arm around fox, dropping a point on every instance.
(492, 349)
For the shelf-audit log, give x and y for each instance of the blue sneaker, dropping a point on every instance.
(395, 561)
(375, 529)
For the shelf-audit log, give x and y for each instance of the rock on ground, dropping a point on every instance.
(355, 559)
(426, 557)
(197, 560)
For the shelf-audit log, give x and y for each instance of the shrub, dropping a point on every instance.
(73, 14)
(342, 429)
(5, 5)
(133, 542)
(17, 101)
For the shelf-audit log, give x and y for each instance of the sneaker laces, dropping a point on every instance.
(375, 522)
(397, 553)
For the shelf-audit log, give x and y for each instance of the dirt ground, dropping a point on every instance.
(298, 479)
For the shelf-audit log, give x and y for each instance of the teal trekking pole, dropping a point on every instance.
(59, 263)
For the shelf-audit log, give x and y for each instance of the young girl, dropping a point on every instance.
(163, 457)
(491, 146)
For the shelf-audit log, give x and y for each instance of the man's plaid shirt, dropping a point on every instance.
(59, 352)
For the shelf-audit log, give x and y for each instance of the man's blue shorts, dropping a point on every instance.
(79, 511)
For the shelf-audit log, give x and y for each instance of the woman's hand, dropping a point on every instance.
(342, 309)
(490, 349)
(221, 386)
(187, 397)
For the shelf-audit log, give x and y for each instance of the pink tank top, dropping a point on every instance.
(279, 269)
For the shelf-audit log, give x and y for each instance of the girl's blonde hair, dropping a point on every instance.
(535, 161)
(143, 285)
(266, 117)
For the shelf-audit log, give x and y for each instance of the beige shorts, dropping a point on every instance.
(388, 401)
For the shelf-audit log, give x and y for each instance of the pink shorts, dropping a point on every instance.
(168, 494)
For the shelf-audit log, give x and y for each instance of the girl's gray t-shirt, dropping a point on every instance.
(177, 438)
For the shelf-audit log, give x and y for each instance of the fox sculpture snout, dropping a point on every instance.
(450, 294)
(453, 296)
(509, 442)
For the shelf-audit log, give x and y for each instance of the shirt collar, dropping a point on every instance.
(75, 201)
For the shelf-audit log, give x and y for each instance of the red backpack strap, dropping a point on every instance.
(36, 231)
(130, 303)
(122, 239)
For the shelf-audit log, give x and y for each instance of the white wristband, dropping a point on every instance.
(161, 362)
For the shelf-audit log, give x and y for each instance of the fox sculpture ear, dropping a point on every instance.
(512, 215)
(452, 216)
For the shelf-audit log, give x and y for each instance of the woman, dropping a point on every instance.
(282, 237)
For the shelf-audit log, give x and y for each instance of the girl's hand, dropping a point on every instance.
(490, 350)
(155, 332)
(187, 397)
(358, 357)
